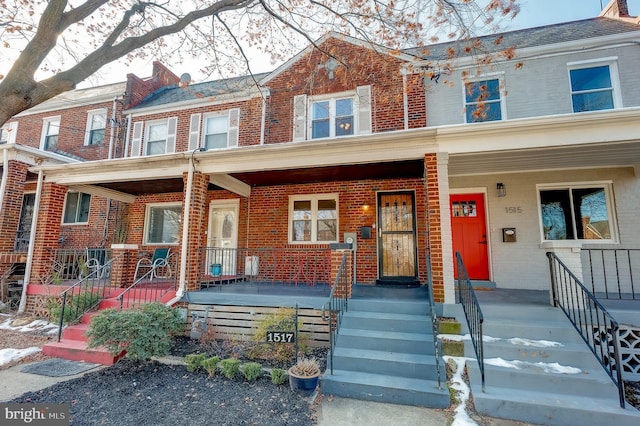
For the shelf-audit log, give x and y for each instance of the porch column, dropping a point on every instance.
(197, 227)
(124, 264)
(336, 261)
(48, 228)
(439, 225)
(11, 204)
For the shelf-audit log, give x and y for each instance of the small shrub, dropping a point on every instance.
(75, 306)
(251, 371)
(230, 367)
(211, 364)
(143, 333)
(282, 320)
(194, 361)
(278, 376)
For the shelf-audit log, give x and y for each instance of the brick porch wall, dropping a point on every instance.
(435, 229)
(12, 204)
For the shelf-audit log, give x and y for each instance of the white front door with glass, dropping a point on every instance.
(223, 237)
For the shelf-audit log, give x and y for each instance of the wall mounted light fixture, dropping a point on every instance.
(502, 189)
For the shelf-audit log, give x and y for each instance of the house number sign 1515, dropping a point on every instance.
(281, 336)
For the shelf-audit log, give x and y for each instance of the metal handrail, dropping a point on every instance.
(616, 266)
(336, 305)
(150, 290)
(472, 312)
(85, 294)
(594, 323)
(434, 319)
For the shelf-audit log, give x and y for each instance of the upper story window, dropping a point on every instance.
(162, 223)
(313, 218)
(332, 118)
(8, 132)
(594, 85)
(483, 100)
(154, 137)
(339, 114)
(215, 130)
(50, 131)
(76, 208)
(96, 124)
(577, 212)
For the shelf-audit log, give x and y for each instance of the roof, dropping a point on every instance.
(174, 93)
(79, 97)
(531, 37)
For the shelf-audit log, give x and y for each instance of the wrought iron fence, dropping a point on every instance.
(266, 265)
(336, 305)
(472, 312)
(148, 288)
(610, 273)
(434, 320)
(595, 325)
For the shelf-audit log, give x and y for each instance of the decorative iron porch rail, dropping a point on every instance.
(434, 320)
(472, 312)
(85, 295)
(266, 265)
(611, 272)
(595, 325)
(146, 289)
(336, 305)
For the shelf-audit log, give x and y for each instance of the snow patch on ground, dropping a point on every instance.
(40, 326)
(8, 355)
(550, 368)
(514, 341)
(461, 417)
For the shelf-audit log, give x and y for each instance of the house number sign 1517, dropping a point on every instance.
(281, 336)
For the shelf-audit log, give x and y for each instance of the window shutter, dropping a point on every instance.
(364, 109)
(234, 127)
(299, 117)
(194, 132)
(172, 124)
(136, 141)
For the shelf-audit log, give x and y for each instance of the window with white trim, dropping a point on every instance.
(76, 208)
(577, 212)
(4, 136)
(313, 218)
(96, 125)
(162, 223)
(8, 132)
(483, 100)
(594, 85)
(332, 118)
(156, 138)
(214, 130)
(50, 132)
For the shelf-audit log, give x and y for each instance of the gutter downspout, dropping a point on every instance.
(5, 175)
(32, 239)
(185, 234)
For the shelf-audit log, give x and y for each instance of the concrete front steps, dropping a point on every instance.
(530, 393)
(384, 352)
(73, 344)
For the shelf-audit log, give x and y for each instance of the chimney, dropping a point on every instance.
(616, 9)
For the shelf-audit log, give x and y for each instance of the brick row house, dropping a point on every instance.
(396, 159)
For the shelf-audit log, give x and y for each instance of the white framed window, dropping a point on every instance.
(154, 137)
(162, 223)
(594, 85)
(483, 99)
(96, 125)
(214, 130)
(313, 218)
(76, 208)
(50, 132)
(332, 116)
(8, 132)
(582, 211)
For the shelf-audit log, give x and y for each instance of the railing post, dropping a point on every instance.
(123, 267)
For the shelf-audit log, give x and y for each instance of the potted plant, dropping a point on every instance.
(304, 375)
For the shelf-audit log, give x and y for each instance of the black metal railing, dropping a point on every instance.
(472, 312)
(148, 288)
(610, 272)
(266, 265)
(595, 325)
(85, 295)
(336, 305)
(434, 320)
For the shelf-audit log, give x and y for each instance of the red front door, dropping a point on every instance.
(469, 231)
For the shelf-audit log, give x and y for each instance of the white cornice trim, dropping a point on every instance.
(30, 155)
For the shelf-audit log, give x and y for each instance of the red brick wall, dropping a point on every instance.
(435, 231)
(48, 230)
(12, 204)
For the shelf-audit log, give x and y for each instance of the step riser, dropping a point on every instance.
(382, 394)
(387, 345)
(390, 368)
(419, 325)
(394, 307)
(75, 333)
(74, 354)
(562, 384)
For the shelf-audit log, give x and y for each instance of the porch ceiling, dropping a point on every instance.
(622, 154)
(388, 170)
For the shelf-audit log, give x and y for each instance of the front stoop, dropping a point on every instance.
(73, 344)
(529, 393)
(384, 352)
